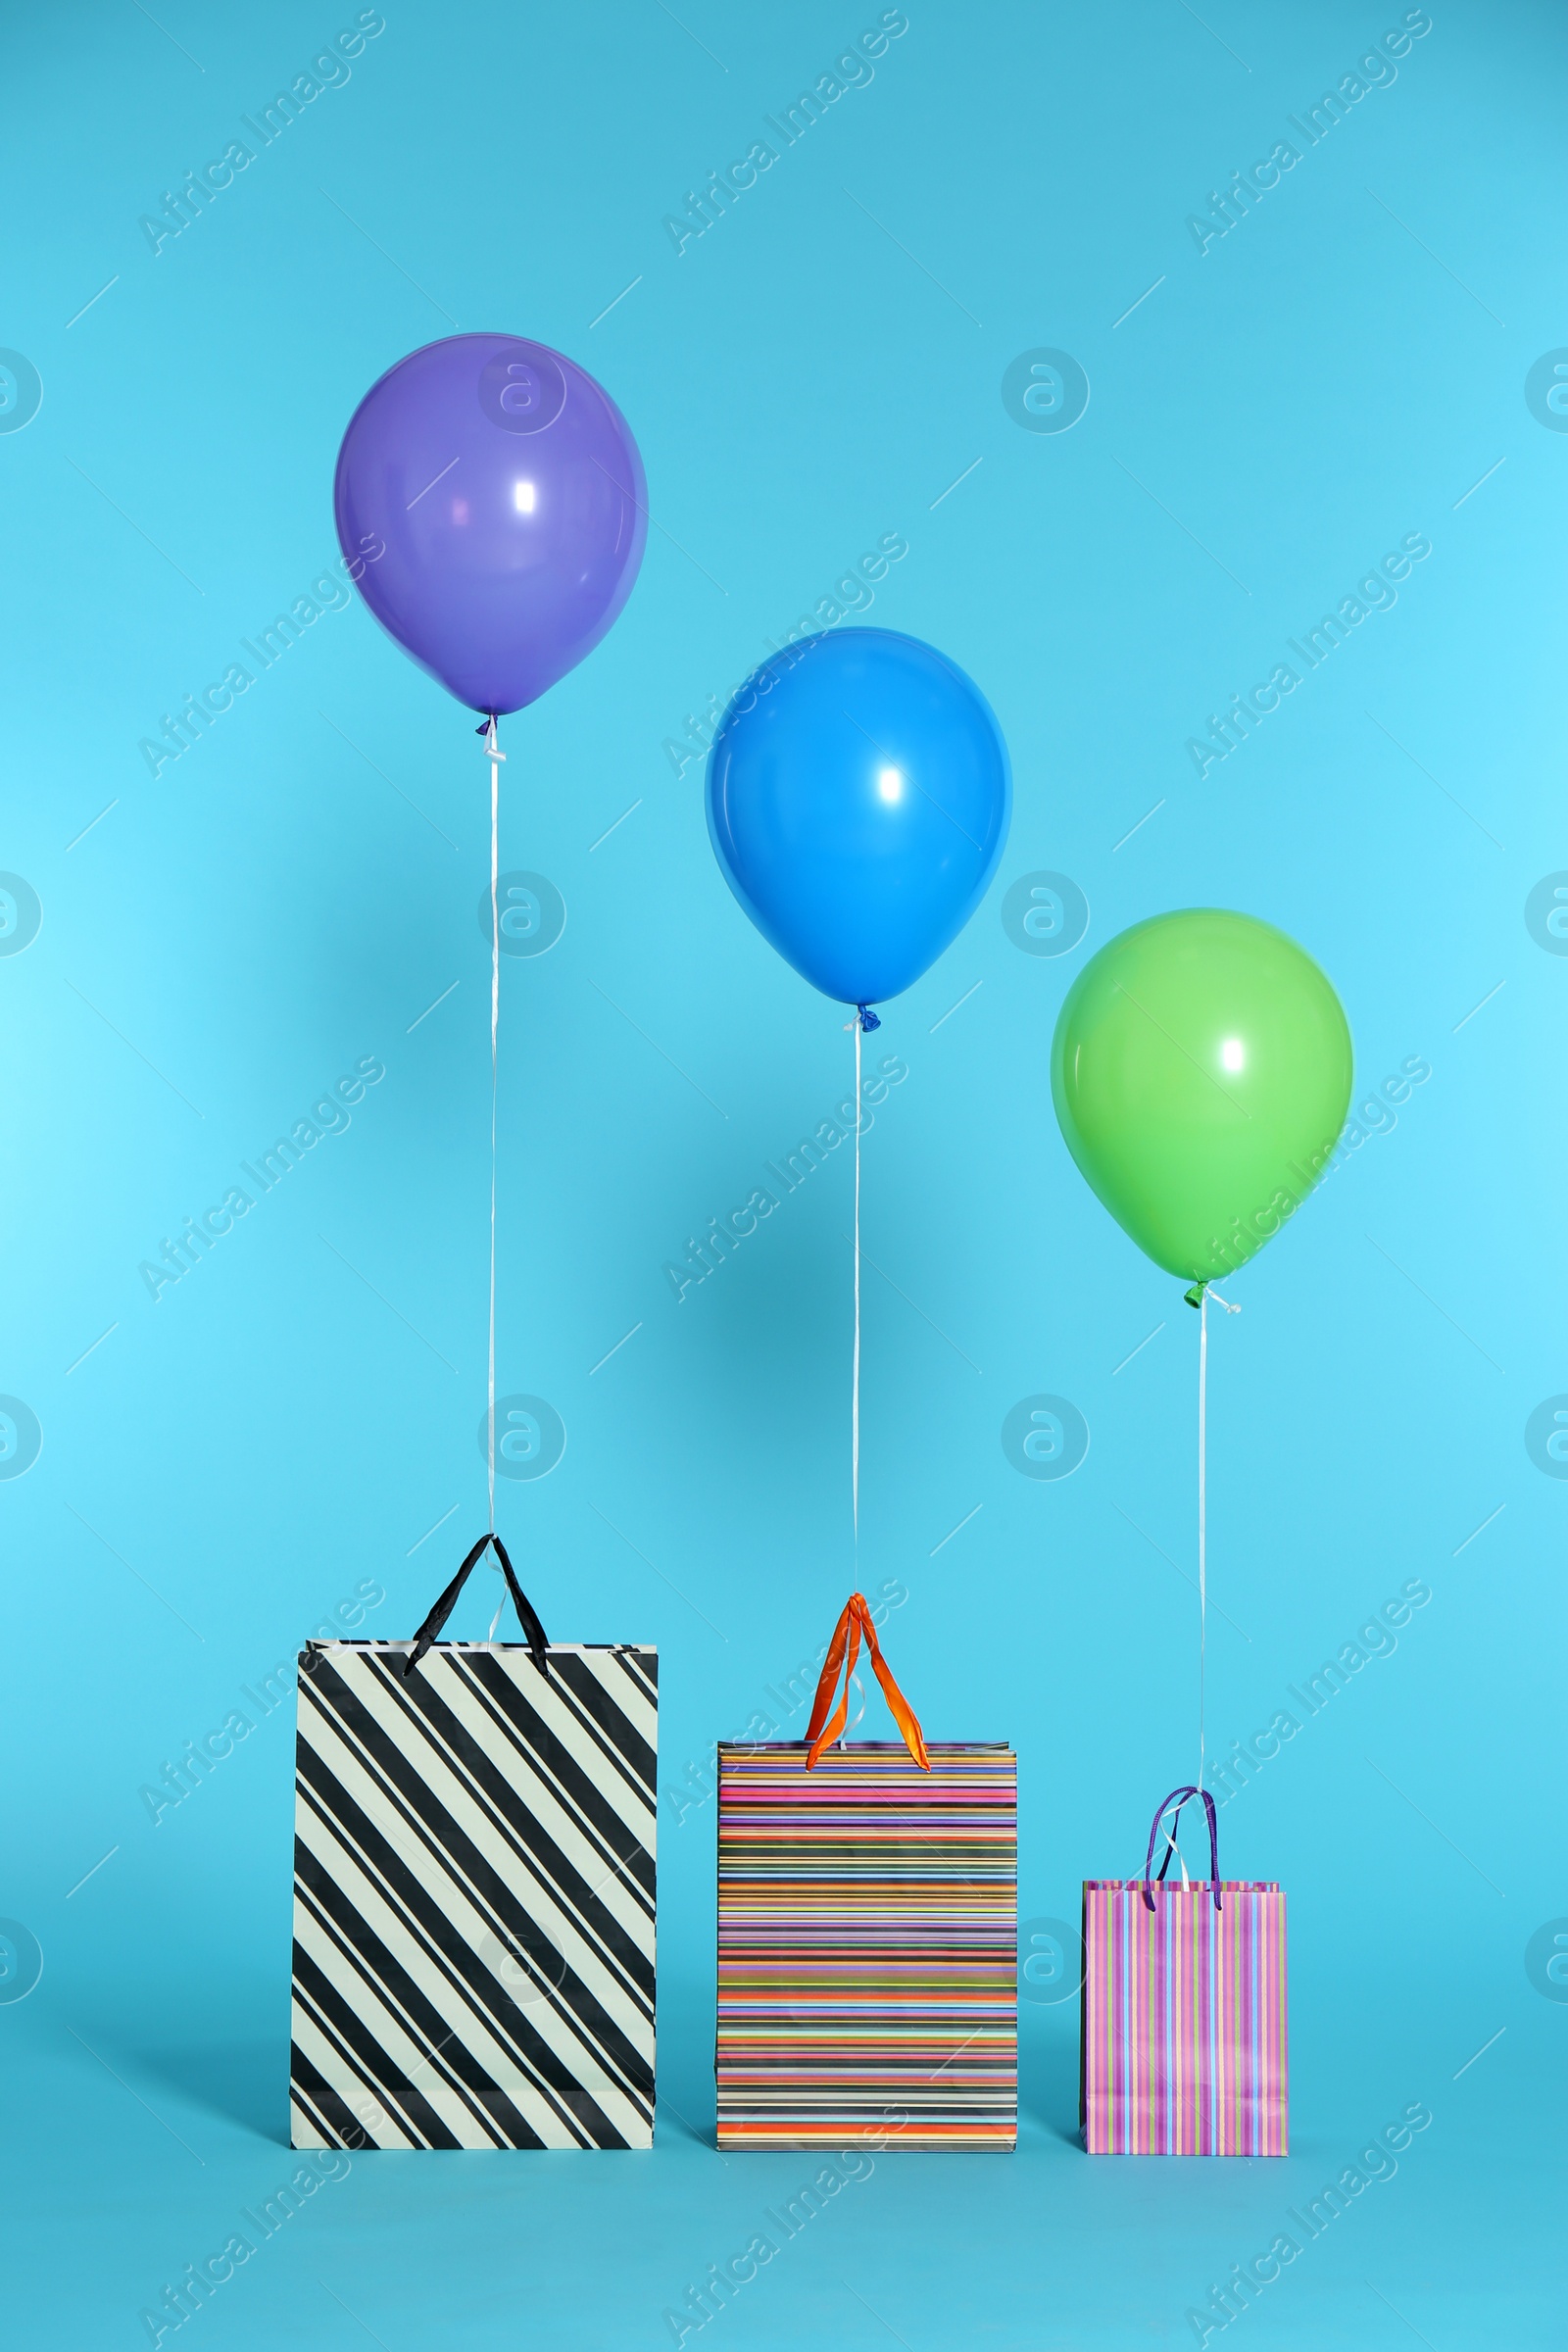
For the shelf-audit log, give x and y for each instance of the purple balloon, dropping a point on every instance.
(493, 508)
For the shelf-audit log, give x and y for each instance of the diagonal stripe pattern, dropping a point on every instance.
(473, 1897)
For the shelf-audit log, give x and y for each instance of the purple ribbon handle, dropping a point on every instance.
(1178, 1797)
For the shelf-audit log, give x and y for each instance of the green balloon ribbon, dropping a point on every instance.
(1200, 1073)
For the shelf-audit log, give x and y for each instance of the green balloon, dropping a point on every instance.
(1201, 1072)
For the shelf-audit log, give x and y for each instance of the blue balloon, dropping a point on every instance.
(859, 797)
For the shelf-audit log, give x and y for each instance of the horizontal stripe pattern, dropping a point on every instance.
(473, 1897)
(1183, 2020)
(867, 1947)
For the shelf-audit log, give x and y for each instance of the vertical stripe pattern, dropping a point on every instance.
(867, 1947)
(1184, 2021)
(473, 1897)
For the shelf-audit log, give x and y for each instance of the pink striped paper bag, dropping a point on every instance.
(1184, 2039)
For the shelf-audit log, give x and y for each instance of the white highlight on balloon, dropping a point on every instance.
(1233, 1054)
(522, 497)
(889, 784)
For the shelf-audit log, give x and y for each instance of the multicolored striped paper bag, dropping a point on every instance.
(868, 1932)
(1184, 2039)
(473, 1892)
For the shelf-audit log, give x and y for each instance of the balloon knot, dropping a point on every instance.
(869, 1020)
(1194, 1297)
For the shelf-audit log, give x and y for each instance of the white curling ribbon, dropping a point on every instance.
(1203, 1547)
(495, 756)
(854, 1380)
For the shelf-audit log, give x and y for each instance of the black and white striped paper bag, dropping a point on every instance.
(473, 1892)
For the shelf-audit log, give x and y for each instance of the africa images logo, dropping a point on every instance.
(21, 391)
(530, 1436)
(1045, 1437)
(21, 1437)
(1045, 390)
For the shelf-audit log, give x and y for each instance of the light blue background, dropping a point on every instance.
(292, 1418)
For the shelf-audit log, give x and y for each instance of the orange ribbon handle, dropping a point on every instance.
(843, 1651)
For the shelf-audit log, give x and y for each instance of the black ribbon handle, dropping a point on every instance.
(1178, 1797)
(527, 1617)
